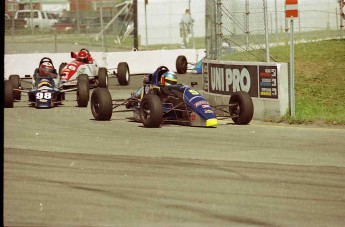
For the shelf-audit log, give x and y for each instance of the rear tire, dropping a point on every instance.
(181, 64)
(15, 81)
(243, 108)
(101, 104)
(102, 78)
(151, 113)
(83, 90)
(8, 94)
(123, 75)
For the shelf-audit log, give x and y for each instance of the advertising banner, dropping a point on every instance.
(258, 80)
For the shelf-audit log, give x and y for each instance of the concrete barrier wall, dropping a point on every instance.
(139, 62)
(267, 84)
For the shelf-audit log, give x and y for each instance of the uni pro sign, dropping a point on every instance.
(257, 80)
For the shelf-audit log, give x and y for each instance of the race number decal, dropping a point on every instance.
(41, 95)
(72, 67)
(193, 92)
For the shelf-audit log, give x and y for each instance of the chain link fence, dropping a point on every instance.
(222, 27)
(32, 30)
(252, 27)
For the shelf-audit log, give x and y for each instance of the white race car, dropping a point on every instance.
(84, 64)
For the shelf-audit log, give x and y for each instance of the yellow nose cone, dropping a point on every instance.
(213, 122)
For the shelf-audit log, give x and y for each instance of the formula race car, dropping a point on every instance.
(84, 64)
(155, 104)
(46, 89)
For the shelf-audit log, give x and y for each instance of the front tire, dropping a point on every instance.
(83, 90)
(103, 78)
(123, 75)
(151, 113)
(181, 64)
(101, 104)
(8, 94)
(15, 81)
(241, 108)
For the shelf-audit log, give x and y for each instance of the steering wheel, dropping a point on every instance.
(160, 68)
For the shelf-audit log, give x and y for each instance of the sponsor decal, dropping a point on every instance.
(208, 111)
(226, 79)
(192, 117)
(72, 67)
(44, 83)
(203, 102)
(268, 86)
(205, 106)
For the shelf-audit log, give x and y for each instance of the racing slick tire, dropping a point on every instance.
(8, 94)
(62, 65)
(102, 77)
(83, 90)
(123, 75)
(241, 108)
(181, 64)
(151, 113)
(101, 104)
(15, 80)
(83, 77)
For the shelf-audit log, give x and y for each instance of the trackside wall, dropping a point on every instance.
(139, 62)
(266, 83)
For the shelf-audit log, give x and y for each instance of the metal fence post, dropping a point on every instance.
(266, 32)
(247, 24)
(219, 30)
(292, 70)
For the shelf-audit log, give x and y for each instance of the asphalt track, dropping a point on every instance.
(62, 168)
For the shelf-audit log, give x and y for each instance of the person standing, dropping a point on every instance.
(186, 27)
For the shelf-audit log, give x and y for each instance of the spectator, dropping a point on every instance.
(186, 27)
(342, 9)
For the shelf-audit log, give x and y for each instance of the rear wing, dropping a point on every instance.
(73, 55)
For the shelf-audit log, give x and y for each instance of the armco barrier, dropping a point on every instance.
(267, 84)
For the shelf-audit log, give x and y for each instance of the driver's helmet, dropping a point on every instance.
(168, 78)
(46, 68)
(83, 56)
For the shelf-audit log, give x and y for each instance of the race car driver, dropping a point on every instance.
(46, 70)
(168, 78)
(161, 77)
(84, 56)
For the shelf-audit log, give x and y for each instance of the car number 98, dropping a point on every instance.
(41, 95)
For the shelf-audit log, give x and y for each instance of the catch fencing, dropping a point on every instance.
(256, 25)
(222, 27)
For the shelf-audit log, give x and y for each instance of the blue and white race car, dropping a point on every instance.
(154, 104)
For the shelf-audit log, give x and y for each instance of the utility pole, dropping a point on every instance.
(135, 18)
